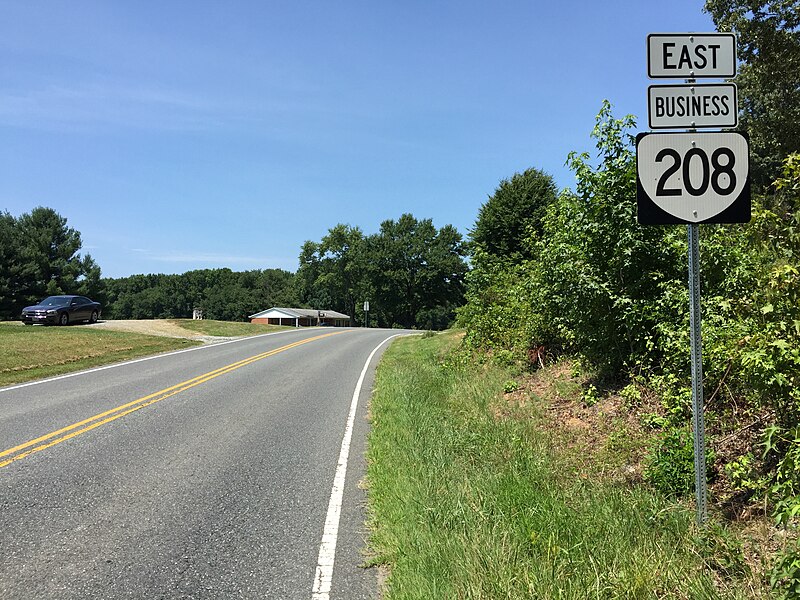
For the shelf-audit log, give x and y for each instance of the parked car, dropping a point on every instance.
(62, 310)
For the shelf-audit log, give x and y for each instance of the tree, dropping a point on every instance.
(412, 273)
(9, 266)
(331, 273)
(416, 272)
(40, 257)
(498, 313)
(768, 79)
(515, 211)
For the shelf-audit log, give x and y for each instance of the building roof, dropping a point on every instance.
(296, 313)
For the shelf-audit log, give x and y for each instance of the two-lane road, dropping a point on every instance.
(208, 473)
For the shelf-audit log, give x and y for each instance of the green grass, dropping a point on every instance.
(467, 501)
(28, 353)
(225, 328)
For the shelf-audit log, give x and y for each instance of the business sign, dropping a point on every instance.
(692, 177)
(689, 106)
(691, 55)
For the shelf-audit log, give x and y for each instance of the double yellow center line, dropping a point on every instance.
(66, 433)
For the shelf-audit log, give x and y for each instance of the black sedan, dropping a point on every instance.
(62, 310)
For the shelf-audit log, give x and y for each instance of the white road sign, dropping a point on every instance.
(692, 105)
(697, 177)
(691, 55)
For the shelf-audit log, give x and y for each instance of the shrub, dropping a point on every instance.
(670, 465)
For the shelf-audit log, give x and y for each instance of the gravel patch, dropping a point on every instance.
(157, 327)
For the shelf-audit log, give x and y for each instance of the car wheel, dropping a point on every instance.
(93, 318)
(63, 319)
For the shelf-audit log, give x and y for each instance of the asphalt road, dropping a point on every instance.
(120, 483)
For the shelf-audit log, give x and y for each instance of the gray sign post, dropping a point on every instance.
(698, 404)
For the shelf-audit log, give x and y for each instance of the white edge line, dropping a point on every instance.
(327, 548)
(137, 360)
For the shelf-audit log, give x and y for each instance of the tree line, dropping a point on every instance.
(222, 294)
(572, 273)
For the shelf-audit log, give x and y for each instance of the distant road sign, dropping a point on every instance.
(692, 105)
(691, 55)
(697, 177)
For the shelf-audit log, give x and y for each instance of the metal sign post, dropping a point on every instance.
(697, 374)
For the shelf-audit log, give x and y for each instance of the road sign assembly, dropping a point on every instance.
(692, 177)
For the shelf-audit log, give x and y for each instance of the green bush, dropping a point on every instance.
(670, 464)
(601, 278)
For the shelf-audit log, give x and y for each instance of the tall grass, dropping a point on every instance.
(470, 502)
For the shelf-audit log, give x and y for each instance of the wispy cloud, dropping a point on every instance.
(99, 104)
(109, 105)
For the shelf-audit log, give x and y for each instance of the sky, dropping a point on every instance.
(187, 135)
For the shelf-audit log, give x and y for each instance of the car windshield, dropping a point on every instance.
(54, 301)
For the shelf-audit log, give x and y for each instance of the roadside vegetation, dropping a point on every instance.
(28, 353)
(583, 281)
(485, 482)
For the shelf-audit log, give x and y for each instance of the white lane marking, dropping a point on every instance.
(327, 548)
(137, 360)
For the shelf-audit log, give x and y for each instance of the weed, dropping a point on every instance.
(722, 551)
(590, 395)
(743, 475)
(653, 421)
(568, 389)
(785, 575)
(631, 395)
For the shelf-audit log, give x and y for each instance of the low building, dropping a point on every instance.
(301, 317)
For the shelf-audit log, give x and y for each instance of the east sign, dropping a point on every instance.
(691, 55)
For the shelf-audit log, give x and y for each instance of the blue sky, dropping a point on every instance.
(184, 135)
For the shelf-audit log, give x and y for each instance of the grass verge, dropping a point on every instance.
(225, 328)
(28, 353)
(468, 498)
